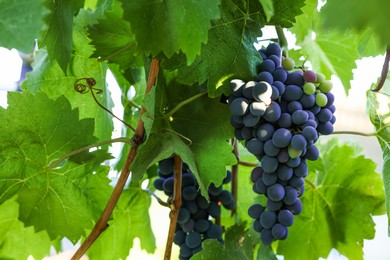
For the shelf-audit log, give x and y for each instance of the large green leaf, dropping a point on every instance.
(359, 14)
(17, 241)
(229, 52)
(113, 40)
(333, 54)
(338, 205)
(286, 11)
(21, 23)
(238, 245)
(200, 123)
(379, 110)
(307, 22)
(171, 26)
(130, 220)
(58, 37)
(64, 198)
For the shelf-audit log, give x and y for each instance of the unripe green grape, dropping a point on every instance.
(326, 86)
(288, 63)
(293, 153)
(320, 78)
(309, 88)
(321, 99)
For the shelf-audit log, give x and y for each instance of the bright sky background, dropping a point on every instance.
(351, 115)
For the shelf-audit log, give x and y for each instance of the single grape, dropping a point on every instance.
(278, 231)
(325, 128)
(275, 93)
(320, 78)
(288, 63)
(248, 88)
(265, 76)
(291, 195)
(214, 231)
(285, 120)
(214, 209)
(158, 183)
(250, 120)
(266, 237)
(283, 156)
(293, 162)
(324, 115)
(214, 190)
(267, 219)
(309, 88)
(255, 211)
(292, 93)
(185, 251)
(188, 226)
(262, 92)
(321, 99)
(298, 142)
(257, 226)
(267, 65)
(312, 153)
(260, 187)
(310, 76)
(256, 173)
(270, 149)
(310, 133)
(281, 138)
(325, 86)
(274, 205)
(301, 170)
(273, 112)
(180, 237)
(273, 49)
(257, 108)
(235, 87)
(284, 172)
(239, 107)
(295, 208)
(280, 86)
(189, 193)
(286, 218)
(276, 192)
(299, 117)
(247, 133)
(236, 124)
(193, 239)
(280, 74)
(275, 59)
(265, 132)
(295, 78)
(269, 178)
(294, 106)
(255, 147)
(269, 164)
(165, 167)
(184, 216)
(293, 153)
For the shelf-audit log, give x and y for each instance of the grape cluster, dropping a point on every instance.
(280, 116)
(194, 223)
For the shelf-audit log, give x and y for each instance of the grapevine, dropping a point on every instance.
(280, 116)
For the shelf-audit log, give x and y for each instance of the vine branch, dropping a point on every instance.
(354, 133)
(385, 71)
(159, 200)
(235, 176)
(101, 225)
(175, 206)
(85, 148)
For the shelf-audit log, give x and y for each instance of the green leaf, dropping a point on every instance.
(21, 23)
(171, 26)
(370, 44)
(238, 245)
(268, 8)
(48, 77)
(333, 54)
(286, 11)
(58, 37)
(229, 52)
(337, 207)
(309, 21)
(17, 241)
(358, 15)
(113, 40)
(130, 220)
(53, 196)
(379, 111)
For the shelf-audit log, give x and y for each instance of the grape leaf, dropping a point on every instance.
(268, 8)
(359, 15)
(21, 23)
(58, 37)
(333, 54)
(307, 22)
(17, 241)
(48, 77)
(171, 26)
(130, 220)
(286, 11)
(338, 207)
(199, 125)
(238, 245)
(379, 111)
(53, 195)
(229, 52)
(113, 40)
